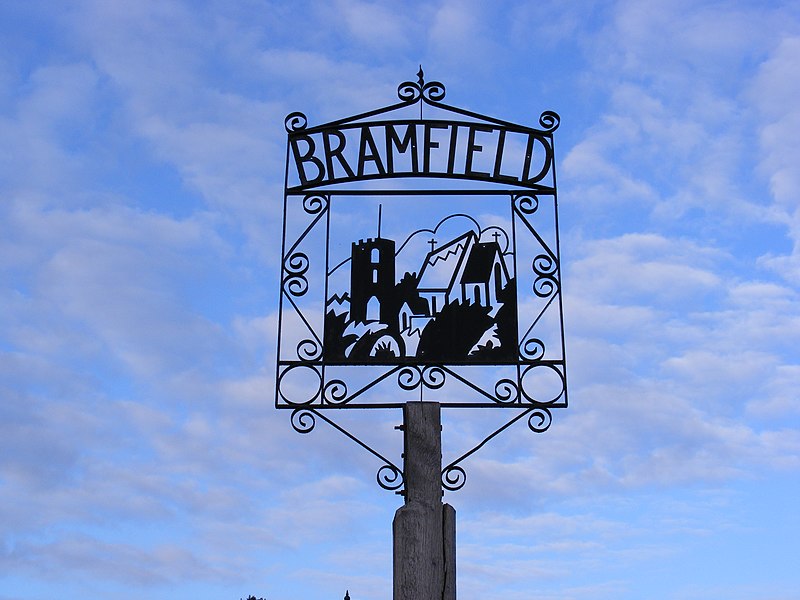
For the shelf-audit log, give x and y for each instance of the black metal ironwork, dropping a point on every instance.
(390, 476)
(420, 261)
(453, 475)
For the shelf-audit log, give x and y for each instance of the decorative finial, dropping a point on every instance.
(347, 595)
(413, 91)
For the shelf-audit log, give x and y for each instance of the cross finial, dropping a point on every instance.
(496, 236)
(432, 242)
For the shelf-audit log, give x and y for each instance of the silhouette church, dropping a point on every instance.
(464, 277)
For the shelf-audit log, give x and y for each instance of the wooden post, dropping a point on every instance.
(424, 528)
(449, 544)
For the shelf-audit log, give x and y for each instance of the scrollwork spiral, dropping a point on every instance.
(532, 349)
(303, 420)
(296, 267)
(544, 264)
(506, 391)
(433, 377)
(549, 120)
(390, 477)
(409, 91)
(334, 392)
(453, 478)
(544, 418)
(309, 349)
(528, 203)
(545, 268)
(295, 121)
(434, 91)
(409, 378)
(314, 203)
(544, 286)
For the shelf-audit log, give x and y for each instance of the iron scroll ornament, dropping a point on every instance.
(464, 309)
(412, 92)
(318, 155)
(389, 476)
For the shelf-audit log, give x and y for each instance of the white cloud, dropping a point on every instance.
(45, 128)
(95, 269)
(141, 203)
(773, 92)
(384, 27)
(648, 269)
(458, 36)
(93, 558)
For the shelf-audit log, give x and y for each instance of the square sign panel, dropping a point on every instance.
(420, 260)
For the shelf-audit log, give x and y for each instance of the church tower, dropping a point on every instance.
(372, 280)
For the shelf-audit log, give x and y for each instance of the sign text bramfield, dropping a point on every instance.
(478, 151)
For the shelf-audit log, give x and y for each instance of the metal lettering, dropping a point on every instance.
(379, 150)
(373, 156)
(498, 160)
(472, 148)
(300, 159)
(331, 153)
(430, 144)
(402, 146)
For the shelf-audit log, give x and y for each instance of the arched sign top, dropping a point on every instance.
(419, 92)
(397, 142)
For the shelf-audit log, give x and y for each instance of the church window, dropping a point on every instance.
(373, 309)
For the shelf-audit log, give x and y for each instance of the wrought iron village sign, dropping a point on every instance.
(420, 262)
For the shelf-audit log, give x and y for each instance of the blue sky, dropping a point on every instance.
(141, 178)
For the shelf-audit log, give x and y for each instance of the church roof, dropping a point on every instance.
(479, 265)
(443, 265)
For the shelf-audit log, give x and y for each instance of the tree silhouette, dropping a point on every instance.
(456, 329)
(406, 291)
(335, 340)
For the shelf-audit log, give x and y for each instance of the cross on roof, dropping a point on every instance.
(432, 242)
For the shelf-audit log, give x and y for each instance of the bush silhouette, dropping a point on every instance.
(454, 331)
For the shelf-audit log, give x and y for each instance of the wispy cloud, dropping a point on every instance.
(141, 182)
